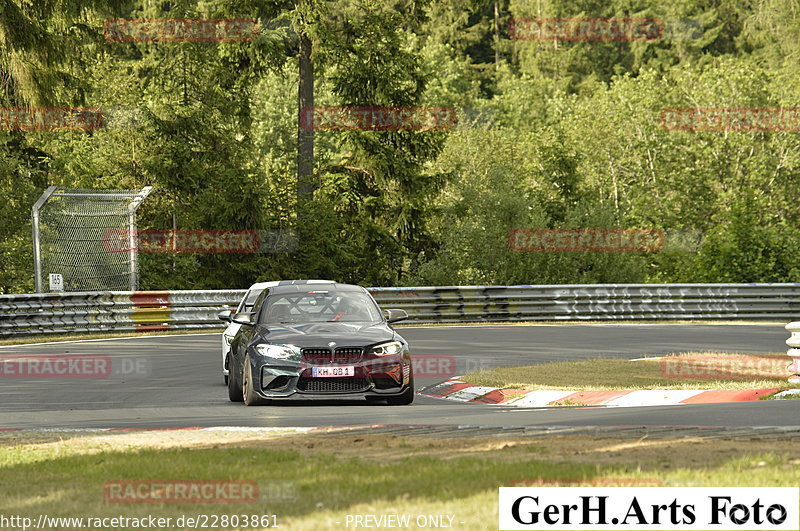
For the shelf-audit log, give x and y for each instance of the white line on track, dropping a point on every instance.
(710, 323)
(109, 339)
(566, 323)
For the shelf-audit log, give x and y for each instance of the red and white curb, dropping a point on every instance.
(455, 389)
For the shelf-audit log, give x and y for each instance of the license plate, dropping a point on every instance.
(333, 372)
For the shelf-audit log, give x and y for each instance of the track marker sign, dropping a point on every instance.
(56, 282)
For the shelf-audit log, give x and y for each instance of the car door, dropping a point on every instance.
(244, 336)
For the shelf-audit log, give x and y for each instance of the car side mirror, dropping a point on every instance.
(395, 314)
(224, 315)
(243, 318)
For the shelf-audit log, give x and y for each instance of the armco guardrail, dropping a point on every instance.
(595, 302)
(119, 311)
(166, 310)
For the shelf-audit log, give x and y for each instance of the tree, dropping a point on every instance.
(41, 46)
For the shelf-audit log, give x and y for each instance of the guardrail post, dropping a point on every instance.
(794, 352)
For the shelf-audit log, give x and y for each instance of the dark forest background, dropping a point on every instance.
(551, 134)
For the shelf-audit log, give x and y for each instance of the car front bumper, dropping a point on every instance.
(385, 377)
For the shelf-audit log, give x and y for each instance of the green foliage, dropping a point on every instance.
(743, 246)
(551, 135)
(505, 181)
(22, 176)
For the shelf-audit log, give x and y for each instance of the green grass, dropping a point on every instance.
(708, 370)
(59, 479)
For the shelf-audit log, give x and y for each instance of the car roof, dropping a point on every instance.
(273, 283)
(299, 288)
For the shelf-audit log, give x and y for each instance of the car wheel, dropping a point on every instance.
(227, 367)
(248, 392)
(234, 387)
(403, 399)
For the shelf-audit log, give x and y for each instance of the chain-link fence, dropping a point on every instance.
(71, 229)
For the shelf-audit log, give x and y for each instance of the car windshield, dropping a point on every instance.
(318, 306)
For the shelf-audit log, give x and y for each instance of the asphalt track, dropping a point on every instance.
(173, 382)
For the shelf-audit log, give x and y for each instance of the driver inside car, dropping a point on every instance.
(348, 311)
(279, 313)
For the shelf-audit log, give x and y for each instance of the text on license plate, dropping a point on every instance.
(331, 372)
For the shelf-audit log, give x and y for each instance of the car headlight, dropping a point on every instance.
(281, 352)
(227, 339)
(387, 349)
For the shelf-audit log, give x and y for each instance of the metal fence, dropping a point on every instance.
(168, 310)
(71, 233)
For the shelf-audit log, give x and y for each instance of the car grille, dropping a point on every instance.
(316, 356)
(341, 356)
(333, 385)
(345, 355)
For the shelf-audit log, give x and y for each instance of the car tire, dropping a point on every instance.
(227, 367)
(234, 388)
(248, 392)
(404, 399)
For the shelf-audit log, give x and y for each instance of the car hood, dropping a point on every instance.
(320, 334)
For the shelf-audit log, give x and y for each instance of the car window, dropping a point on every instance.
(317, 306)
(259, 304)
(250, 299)
(241, 306)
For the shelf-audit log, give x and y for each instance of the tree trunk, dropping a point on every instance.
(305, 130)
(496, 34)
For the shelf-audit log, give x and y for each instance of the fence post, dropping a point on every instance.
(37, 253)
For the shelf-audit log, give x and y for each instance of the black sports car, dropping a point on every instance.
(319, 340)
